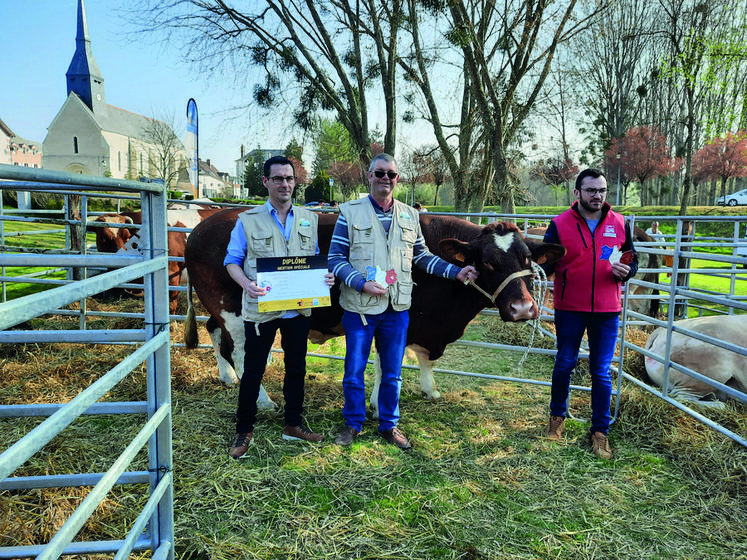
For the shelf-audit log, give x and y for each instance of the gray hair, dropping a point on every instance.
(382, 156)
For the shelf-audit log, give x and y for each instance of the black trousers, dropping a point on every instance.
(293, 335)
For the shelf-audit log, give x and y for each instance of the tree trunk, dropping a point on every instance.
(72, 212)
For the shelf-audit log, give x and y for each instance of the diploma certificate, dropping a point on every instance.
(292, 283)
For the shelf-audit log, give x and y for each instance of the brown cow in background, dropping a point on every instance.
(126, 240)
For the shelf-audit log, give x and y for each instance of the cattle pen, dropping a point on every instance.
(677, 294)
(154, 527)
(669, 285)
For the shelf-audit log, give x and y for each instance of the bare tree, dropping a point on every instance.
(323, 55)
(431, 166)
(166, 153)
(611, 66)
(508, 51)
(460, 140)
(688, 29)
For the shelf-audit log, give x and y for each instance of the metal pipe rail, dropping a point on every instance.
(154, 527)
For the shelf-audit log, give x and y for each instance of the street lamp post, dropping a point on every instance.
(619, 165)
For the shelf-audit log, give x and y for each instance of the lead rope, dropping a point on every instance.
(498, 290)
(539, 290)
(538, 293)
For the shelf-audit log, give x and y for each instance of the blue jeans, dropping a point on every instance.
(293, 334)
(390, 329)
(601, 329)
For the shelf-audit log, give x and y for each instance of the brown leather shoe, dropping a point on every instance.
(555, 428)
(396, 437)
(600, 445)
(241, 445)
(295, 433)
(346, 436)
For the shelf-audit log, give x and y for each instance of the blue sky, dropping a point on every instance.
(38, 42)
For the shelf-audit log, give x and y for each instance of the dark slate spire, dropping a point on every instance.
(83, 74)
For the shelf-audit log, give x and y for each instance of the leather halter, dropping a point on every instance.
(499, 289)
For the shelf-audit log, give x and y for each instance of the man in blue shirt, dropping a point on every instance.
(376, 241)
(275, 229)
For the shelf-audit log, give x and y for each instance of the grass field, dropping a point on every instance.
(480, 483)
(48, 237)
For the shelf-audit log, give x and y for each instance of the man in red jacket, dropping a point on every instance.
(599, 258)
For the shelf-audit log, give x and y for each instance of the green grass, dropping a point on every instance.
(711, 284)
(34, 243)
(480, 483)
(39, 241)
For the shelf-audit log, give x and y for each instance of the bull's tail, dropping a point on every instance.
(190, 323)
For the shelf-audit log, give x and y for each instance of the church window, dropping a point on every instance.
(75, 144)
(119, 160)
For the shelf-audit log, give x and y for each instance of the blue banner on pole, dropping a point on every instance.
(191, 145)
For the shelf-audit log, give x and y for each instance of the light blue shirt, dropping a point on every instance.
(237, 245)
(236, 251)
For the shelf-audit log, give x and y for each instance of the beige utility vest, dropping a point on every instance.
(371, 247)
(264, 239)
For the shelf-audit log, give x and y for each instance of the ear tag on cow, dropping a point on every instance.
(371, 274)
(391, 277)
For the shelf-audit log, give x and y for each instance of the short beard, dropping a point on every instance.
(585, 206)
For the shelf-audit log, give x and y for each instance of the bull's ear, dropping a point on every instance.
(457, 252)
(545, 253)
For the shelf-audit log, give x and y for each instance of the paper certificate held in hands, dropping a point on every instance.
(292, 283)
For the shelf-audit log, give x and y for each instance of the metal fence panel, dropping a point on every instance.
(152, 346)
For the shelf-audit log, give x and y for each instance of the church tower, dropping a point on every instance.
(83, 75)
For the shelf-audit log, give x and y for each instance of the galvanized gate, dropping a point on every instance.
(154, 527)
(681, 250)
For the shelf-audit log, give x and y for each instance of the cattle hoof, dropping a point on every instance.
(432, 397)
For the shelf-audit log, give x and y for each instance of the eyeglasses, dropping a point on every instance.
(594, 192)
(278, 179)
(390, 174)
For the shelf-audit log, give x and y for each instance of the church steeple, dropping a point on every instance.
(83, 75)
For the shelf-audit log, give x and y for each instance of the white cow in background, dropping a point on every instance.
(719, 364)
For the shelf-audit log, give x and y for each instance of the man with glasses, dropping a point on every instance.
(599, 258)
(278, 228)
(376, 241)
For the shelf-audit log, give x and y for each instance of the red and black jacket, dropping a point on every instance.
(583, 277)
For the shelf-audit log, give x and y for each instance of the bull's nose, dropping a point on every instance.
(523, 310)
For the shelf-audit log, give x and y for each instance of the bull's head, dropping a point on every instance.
(109, 239)
(503, 257)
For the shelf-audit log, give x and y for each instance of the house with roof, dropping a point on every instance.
(214, 183)
(257, 156)
(15, 150)
(89, 136)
